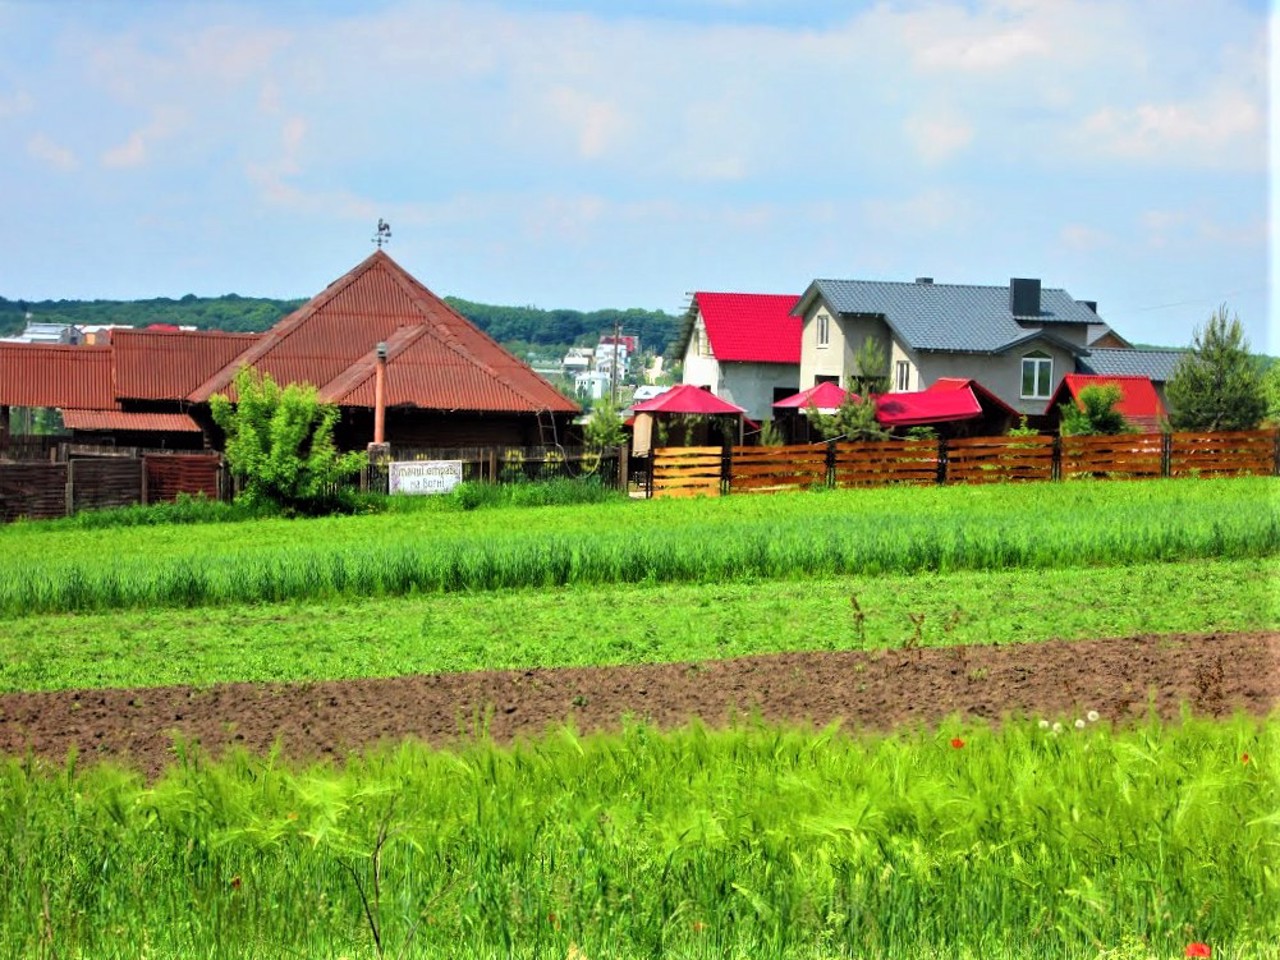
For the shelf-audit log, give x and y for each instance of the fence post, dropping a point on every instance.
(726, 467)
(1166, 454)
(831, 464)
(142, 462)
(942, 461)
(624, 466)
(70, 489)
(1055, 470)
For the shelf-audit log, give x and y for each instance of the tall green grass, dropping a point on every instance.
(798, 536)
(757, 842)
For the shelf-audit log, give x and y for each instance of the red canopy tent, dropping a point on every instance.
(685, 399)
(826, 397)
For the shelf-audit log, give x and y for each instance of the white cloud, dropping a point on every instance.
(1083, 238)
(1227, 129)
(15, 104)
(41, 147)
(937, 139)
(983, 50)
(135, 150)
(596, 125)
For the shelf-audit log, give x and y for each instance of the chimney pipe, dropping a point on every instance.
(380, 396)
(1024, 297)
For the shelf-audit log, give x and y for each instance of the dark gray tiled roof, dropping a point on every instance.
(949, 316)
(1158, 365)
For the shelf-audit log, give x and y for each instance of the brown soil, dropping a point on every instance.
(1213, 674)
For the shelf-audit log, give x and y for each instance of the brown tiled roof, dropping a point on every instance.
(48, 375)
(436, 358)
(168, 365)
(119, 420)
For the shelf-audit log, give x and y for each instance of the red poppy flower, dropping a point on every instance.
(957, 743)
(1198, 949)
(1244, 758)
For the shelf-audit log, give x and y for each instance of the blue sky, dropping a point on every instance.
(577, 154)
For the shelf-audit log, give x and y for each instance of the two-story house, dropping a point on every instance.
(1017, 340)
(743, 347)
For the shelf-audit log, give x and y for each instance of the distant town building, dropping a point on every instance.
(48, 333)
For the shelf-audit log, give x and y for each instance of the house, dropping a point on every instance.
(744, 347)
(1139, 403)
(47, 333)
(446, 383)
(1018, 340)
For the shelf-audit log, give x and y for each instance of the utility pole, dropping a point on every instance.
(613, 371)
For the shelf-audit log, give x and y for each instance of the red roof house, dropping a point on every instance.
(1139, 403)
(743, 346)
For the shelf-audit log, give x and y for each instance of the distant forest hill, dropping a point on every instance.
(523, 325)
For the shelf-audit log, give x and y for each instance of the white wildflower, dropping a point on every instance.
(1092, 716)
(1057, 728)
(1044, 724)
(1079, 724)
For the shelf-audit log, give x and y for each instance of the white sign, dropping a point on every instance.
(425, 476)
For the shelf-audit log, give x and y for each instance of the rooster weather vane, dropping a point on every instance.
(383, 233)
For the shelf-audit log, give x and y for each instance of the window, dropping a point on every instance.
(902, 376)
(704, 345)
(1037, 376)
(824, 330)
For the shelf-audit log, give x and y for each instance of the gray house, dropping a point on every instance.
(1019, 340)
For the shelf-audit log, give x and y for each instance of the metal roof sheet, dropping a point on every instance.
(949, 317)
(56, 375)
(156, 364)
(687, 398)
(119, 420)
(1157, 365)
(751, 327)
(1139, 403)
(927, 406)
(339, 329)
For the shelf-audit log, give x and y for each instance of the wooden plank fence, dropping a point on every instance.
(172, 474)
(884, 462)
(687, 471)
(1127, 455)
(710, 471)
(1000, 459)
(770, 469)
(1222, 454)
(34, 490)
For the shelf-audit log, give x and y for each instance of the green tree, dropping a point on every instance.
(855, 419)
(873, 368)
(604, 429)
(1271, 390)
(1096, 414)
(280, 443)
(1216, 386)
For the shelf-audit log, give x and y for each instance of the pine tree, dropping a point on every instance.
(1216, 386)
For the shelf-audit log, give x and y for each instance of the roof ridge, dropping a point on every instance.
(964, 286)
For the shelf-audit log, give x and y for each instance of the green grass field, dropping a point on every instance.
(755, 842)
(759, 842)
(860, 532)
(627, 623)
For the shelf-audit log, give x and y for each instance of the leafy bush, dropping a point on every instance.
(1096, 414)
(280, 444)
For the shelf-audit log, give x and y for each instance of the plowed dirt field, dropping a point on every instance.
(1122, 679)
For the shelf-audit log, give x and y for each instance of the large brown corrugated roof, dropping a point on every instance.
(169, 364)
(49, 375)
(436, 358)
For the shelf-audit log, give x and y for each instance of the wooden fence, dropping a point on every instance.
(45, 490)
(711, 471)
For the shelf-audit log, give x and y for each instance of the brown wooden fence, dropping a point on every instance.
(687, 471)
(710, 471)
(769, 469)
(42, 490)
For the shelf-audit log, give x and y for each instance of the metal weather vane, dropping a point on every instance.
(382, 234)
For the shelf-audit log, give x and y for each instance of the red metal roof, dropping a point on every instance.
(49, 375)
(751, 327)
(161, 364)
(985, 396)
(827, 397)
(1139, 402)
(686, 398)
(445, 361)
(927, 406)
(119, 420)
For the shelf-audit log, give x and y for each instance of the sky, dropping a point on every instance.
(569, 153)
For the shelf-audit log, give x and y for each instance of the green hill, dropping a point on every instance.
(526, 325)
